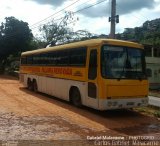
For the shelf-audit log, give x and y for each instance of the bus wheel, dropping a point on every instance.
(29, 84)
(35, 87)
(76, 97)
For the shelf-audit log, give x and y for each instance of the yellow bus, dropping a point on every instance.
(99, 73)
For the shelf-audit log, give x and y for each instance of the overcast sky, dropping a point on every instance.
(94, 19)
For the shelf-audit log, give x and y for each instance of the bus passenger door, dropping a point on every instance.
(92, 99)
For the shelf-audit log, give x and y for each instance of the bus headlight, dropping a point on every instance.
(111, 104)
(114, 103)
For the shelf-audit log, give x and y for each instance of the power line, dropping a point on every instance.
(90, 6)
(55, 13)
(58, 15)
(55, 16)
(12, 35)
(78, 10)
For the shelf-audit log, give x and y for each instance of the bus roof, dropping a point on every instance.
(91, 42)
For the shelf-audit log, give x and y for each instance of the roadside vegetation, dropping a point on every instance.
(17, 37)
(149, 111)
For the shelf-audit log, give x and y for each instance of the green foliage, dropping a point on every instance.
(59, 33)
(157, 114)
(15, 36)
(148, 33)
(54, 32)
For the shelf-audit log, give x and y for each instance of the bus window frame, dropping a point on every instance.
(143, 65)
(56, 52)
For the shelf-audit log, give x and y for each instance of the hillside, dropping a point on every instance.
(148, 33)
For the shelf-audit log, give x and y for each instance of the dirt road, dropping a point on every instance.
(25, 115)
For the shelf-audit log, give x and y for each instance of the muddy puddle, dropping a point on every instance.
(142, 129)
(38, 128)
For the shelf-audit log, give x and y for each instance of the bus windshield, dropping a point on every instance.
(118, 62)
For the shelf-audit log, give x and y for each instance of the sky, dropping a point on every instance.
(132, 13)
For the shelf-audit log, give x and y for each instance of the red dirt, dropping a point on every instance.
(25, 115)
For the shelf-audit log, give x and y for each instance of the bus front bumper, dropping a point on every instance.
(122, 103)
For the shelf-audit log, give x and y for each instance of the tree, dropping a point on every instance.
(81, 35)
(59, 33)
(54, 32)
(148, 33)
(15, 36)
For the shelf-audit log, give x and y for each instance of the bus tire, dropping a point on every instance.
(29, 84)
(76, 97)
(35, 87)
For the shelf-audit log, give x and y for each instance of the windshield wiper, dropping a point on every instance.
(122, 73)
(124, 67)
(139, 76)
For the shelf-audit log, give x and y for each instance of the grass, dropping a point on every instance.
(157, 114)
(154, 93)
(149, 111)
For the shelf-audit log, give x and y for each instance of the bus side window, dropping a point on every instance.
(52, 58)
(78, 57)
(23, 60)
(29, 60)
(92, 72)
(63, 58)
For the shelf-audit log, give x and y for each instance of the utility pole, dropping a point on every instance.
(113, 19)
